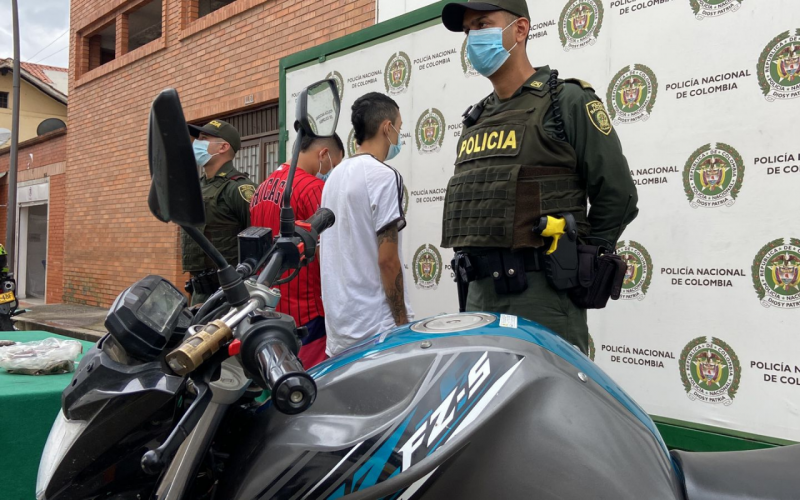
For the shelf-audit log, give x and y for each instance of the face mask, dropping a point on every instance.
(320, 175)
(201, 155)
(485, 50)
(394, 149)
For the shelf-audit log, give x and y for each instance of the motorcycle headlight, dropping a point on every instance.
(62, 436)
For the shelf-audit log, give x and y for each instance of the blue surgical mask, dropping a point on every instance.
(394, 149)
(485, 49)
(320, 175)
(201, 154)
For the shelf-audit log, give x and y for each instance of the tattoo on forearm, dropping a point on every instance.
(397, 302)
(388, 235)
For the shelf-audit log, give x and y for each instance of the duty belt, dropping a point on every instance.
(483, 264)
(203, 282)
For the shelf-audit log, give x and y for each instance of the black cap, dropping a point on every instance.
(453, 13)
(221, 129)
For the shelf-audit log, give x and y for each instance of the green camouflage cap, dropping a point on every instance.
(453, 13)
(221, 129)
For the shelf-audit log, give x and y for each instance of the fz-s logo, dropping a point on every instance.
(432, 431)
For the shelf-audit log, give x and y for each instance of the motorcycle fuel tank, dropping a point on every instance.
(457, 406)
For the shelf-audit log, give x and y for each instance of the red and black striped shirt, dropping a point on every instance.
(301, 297)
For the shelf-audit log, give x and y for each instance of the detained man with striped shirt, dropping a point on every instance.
(302, 297)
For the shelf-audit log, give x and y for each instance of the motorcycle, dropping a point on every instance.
(8, 298)
(170, 404)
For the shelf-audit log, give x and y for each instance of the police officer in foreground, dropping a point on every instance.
(226, 195)
(536, 146)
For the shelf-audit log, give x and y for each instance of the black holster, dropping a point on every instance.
(205, 283)
(600, 276)
(464, 273)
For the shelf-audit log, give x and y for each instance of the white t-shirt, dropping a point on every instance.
(366, 196)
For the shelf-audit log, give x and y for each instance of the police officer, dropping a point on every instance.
(226, 194)
(536, 146)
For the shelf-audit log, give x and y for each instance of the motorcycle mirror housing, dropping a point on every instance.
(175, 194)
(316, 115)
(318, 109)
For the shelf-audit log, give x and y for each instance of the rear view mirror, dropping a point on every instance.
(175, 193)
(318, 109)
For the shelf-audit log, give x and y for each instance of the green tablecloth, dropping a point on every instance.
(28, 407)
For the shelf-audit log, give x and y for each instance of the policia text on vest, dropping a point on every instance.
(544, 151)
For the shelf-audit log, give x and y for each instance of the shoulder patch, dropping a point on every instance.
(599, 117)
(584, 85)
(247, 191)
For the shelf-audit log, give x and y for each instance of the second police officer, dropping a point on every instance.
(226, 196)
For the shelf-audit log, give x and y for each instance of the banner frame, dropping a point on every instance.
(677, 434)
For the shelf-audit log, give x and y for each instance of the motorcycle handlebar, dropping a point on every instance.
(293, 390)
(321, 220)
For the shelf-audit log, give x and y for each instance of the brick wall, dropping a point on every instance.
(49, 160)
(111, 239)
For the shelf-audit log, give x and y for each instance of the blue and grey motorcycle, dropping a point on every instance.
(171, 403)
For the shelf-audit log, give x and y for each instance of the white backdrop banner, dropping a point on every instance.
(705, 96)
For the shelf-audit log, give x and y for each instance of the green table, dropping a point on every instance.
(28, 407)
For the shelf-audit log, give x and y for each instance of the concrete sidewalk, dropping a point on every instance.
(70, 320)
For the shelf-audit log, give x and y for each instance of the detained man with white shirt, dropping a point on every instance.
(363, 286)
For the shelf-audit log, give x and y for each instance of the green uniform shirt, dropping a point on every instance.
(234, 201)
(227, 214)
(601, 163)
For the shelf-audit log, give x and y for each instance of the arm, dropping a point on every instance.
(392, 273)
(601, 162)
(241, 194)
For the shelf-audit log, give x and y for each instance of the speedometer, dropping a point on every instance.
(144, 316)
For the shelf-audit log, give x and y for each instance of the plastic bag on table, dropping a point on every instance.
(43, 357)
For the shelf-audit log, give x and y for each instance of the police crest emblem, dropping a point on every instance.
(427, 267)
(710, 371)
(776, 274)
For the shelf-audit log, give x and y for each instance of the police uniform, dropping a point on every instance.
(226, 197)
(543, 151)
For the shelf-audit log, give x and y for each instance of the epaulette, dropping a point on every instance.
(238, 177)
(584, 85)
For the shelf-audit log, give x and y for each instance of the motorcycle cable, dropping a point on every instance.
(288, 278)
(212, 303)
(215, 314)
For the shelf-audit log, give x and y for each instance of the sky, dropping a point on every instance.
(41, 22)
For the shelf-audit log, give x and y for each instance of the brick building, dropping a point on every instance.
(41, 189)
(223, 58)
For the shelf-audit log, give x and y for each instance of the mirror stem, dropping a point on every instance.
(231, 282)
(287, 213)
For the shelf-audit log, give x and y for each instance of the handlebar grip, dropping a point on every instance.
(322, 220)
(293, 390)
(196, 349)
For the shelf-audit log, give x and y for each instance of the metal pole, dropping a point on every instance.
(11, 207)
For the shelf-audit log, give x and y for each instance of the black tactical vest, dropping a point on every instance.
(508, 173)
(221, 229)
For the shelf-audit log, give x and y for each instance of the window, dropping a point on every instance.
(3, 99)
(206, 7)
(144, 25)
(102, 46)
(259, 130)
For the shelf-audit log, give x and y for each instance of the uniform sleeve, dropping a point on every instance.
(385, 189)
(238, 195)
(601, 163)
